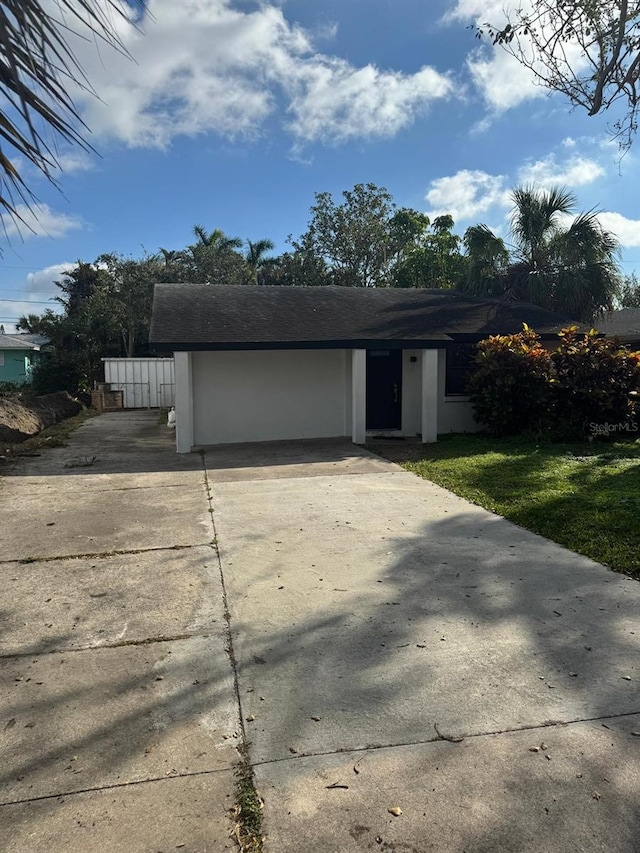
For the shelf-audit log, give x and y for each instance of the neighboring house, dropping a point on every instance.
(260, 363)
(623, 324)
(18, 355)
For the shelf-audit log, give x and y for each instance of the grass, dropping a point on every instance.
(247, 813)
(584, 496)
(54, 436)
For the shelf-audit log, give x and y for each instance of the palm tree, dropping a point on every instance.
(566, 266)
(38, 66)
(215, 259)
(216, 240)
(255, 256)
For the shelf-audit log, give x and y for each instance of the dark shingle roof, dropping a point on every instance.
(202, 316)
(624, 324)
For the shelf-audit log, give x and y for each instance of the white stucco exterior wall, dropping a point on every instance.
(455, 414)
(184, 401)
(270, 395)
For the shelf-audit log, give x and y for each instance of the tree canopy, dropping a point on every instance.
(367, 241)
(588, 50)
(568, 266)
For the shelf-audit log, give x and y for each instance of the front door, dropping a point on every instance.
(384, 389)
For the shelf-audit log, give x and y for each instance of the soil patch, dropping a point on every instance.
(23, 416)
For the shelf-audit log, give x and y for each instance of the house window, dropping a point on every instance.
(460, 366)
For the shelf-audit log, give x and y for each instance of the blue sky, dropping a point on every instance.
(233, 114)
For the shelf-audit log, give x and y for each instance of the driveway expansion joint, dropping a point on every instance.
(115, 786)
(547, 724)
(97, 555)
(119, 644)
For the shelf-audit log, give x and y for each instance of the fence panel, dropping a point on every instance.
(148, 383)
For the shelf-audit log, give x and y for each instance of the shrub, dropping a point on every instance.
(510, 390)
(595, 383)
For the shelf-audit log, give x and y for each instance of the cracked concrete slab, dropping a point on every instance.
(94, 695)
(75, 603)
(79, 720)
(489, 794)
(383, 605)
(100, 521)
(179, 813)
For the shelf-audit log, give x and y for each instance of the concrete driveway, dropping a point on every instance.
(395, 648)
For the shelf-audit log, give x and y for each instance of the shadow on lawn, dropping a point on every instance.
(591, 506)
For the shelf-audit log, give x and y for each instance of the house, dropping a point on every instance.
(623, 324)
(263, 363)
(18, 355)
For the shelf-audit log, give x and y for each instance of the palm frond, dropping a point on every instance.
(37, 66)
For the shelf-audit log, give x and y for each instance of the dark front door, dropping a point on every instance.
(384, 389)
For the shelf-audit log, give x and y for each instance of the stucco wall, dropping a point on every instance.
(270, 395)
(455, 414)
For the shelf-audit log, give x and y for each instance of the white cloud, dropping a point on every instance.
(467, 194)
(40, 284)
(504, 82)
(626, 230)
(39, 221)
(72, 162)
(575, 172)
(207, 67)
(35, 293)
(335, 102)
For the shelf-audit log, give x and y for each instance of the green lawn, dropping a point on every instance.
(585, 496)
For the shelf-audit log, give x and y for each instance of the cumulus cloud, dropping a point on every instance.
(39, 221)
(467, 194)
(575, 172)
(35, 293)
(41, 284)
(626, 230)
(208, 67)
(502, 81)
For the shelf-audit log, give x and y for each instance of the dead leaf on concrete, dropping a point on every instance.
(12, 723)
(316, 719)
(396, 811)
(626, 677)
(534, 749)
(335, 785)
(356, 771)
(635, 734)
(251, 718)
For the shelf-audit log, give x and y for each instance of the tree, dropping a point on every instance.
(126, 299)
(570, 269)
(432, 258)
(214, 258)
(359, 242)
(38, 70)
(588, 50)
(630, 292)
(255, 257)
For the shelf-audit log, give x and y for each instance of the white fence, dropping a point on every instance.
(148, 383)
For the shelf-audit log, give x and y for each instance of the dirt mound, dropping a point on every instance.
(22, 417)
